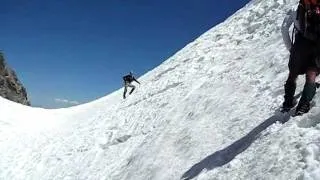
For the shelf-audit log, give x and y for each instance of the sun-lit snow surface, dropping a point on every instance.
(208, 112)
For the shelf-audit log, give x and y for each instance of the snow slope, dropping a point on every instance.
(208, 112)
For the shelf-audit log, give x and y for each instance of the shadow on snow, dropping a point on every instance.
(225, 155)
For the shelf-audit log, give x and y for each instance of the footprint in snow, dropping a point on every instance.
(116, 141)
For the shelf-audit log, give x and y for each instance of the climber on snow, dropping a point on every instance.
(304, 53)
(128, 79)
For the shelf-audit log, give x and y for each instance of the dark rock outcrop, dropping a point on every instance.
(10, 86)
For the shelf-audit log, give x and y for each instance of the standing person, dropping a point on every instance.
(128, 79)
(304, 55)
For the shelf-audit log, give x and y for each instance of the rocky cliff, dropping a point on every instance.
(10, 86)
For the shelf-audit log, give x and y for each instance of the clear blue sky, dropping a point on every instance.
(79, 49)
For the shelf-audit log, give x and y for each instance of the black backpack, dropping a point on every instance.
(308, 15)
(128, 78)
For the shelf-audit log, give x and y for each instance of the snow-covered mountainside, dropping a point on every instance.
(208, 112)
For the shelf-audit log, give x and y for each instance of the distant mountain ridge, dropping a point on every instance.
(10, 86)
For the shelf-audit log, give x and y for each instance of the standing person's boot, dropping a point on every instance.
(309, 91)
(303, 107)
(289, 100)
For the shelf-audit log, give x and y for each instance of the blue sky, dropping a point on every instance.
(78, 50)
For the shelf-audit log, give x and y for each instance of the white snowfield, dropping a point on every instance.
(208, 112)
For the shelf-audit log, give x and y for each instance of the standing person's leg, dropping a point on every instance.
(294, 66)
(289, 91)
(309, 89)
(133, 88)
(125, 90)
(308, 92)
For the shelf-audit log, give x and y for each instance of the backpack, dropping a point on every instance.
(128, 78)
(308, 15)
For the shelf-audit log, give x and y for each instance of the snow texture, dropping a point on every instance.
(211, 111)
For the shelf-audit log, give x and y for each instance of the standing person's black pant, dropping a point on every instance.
(304, 59)
(126, 85)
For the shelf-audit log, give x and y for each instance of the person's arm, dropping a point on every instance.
(285, 29)
(136, 80)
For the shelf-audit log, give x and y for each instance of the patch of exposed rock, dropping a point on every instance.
(10, 86)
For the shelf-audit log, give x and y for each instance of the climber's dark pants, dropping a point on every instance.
(126, 85)
(304, 59)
